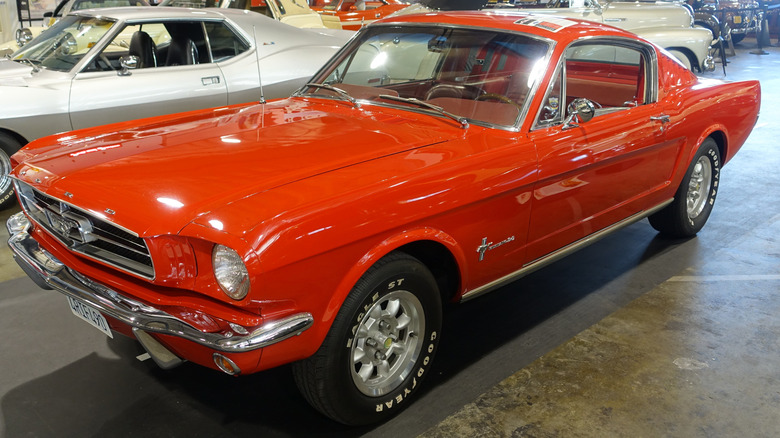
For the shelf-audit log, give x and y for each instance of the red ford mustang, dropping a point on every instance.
(433, 159)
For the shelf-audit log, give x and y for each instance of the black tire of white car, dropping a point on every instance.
(8, 146)
(695, 197)
(380, 347)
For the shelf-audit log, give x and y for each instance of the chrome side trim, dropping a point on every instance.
(561, 253)
(48, 272)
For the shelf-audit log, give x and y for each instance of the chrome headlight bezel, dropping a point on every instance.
(230, 272)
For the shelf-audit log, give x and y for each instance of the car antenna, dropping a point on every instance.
(257, 56)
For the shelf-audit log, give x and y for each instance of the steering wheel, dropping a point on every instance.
(499, 98)
(102, 59)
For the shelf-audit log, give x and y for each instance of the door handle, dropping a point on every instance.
(210, 80)
(663, 118)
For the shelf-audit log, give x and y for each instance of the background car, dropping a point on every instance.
(355, 14)
(742, 16)
(102, 66)
(436, 158)
(292, 12)
(668, 25)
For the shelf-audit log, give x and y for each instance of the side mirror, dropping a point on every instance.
(23, 36)
(579, 111)
(130, 62)
(48, 14)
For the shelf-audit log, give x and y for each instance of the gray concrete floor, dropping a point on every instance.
(634, 336)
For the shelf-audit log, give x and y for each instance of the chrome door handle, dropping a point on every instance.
(210, 80)
(663, 118)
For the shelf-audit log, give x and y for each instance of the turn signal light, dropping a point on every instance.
(226, 365)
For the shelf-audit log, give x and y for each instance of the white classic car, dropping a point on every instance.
(667, 25)
(293, 12)
(101, 66)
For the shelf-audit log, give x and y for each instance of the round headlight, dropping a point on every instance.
(230, 272)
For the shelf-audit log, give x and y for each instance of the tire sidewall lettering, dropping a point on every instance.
(402, 394)
(712, 154)
(7, 197)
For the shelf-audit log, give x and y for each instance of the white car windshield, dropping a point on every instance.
(63, 45)
(483, 76)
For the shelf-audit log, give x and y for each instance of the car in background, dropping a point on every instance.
(355, 14)
(26, 34)
(436, 158)
(107, 65)
(293, 12)
(668, 25)
(742, 16)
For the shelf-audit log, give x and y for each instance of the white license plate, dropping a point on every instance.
(89, 314)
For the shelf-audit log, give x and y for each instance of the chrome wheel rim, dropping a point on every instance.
(387, 343)
(5, 170)
(699, 187)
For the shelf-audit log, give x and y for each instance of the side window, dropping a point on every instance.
(141, 40)
(612, 76)
(225, 44)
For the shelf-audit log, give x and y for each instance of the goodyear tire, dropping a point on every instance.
(8, 146)
(380, 347)
(695, 197)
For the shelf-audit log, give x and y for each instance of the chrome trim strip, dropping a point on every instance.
(561, 253)
(46, 270)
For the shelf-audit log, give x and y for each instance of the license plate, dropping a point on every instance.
(737, 19)
(92, 316)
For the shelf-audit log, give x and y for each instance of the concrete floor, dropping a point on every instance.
(633, 336)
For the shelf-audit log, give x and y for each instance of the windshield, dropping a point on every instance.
(63, 45)
(483, 76)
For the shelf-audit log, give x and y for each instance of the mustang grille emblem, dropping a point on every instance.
(70, 225)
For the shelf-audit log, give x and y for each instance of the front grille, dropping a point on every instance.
(86, 234)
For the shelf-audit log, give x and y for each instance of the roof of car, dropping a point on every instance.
(155, 12)
(512, 20)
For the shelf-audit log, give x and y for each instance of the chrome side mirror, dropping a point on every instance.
(23, 36)
(580, 110)
(129, 62)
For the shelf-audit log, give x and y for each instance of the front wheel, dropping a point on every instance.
(8, 146)
(695, 197)
(380, 347)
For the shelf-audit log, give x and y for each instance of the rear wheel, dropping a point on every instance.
(695, 197)
(380, 347)
(8, 146)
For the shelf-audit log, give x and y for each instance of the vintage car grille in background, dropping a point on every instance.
(87, 234)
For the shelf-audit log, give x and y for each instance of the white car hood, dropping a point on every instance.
(14, 74)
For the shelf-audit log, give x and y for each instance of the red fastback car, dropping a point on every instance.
(433, 159)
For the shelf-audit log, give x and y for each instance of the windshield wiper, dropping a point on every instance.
(29, 62)
(464, 123)
(341, 93)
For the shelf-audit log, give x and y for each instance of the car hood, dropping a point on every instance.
(13, 74)
(176, 168)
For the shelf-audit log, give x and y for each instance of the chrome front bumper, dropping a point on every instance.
(50, 273)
